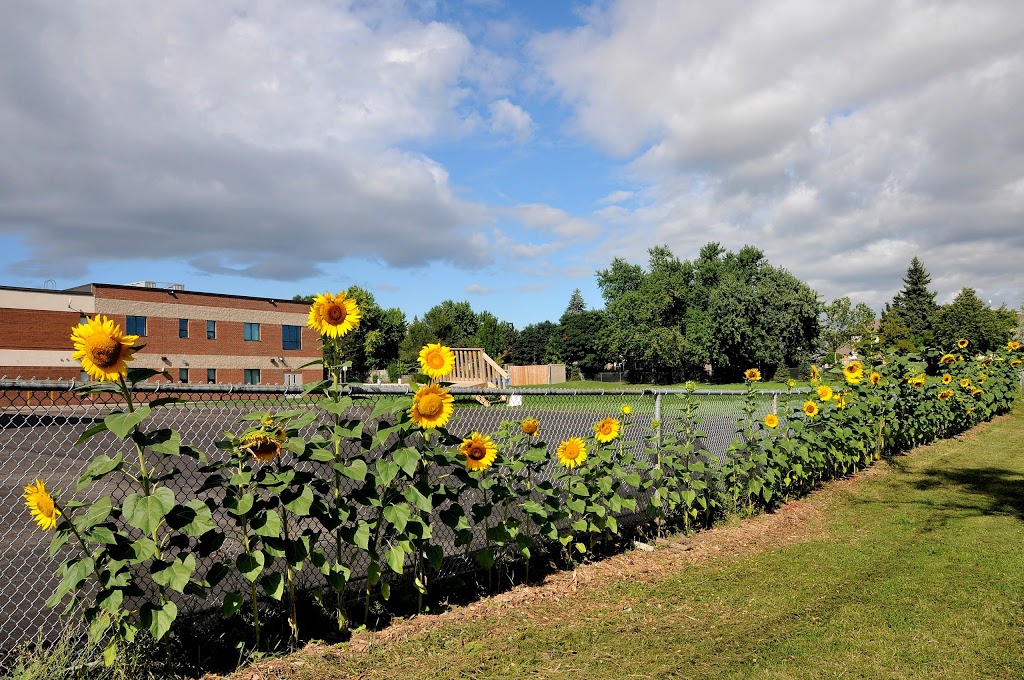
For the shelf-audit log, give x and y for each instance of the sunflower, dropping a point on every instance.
(841, 401)
(41, 504)
(853, 371)
(432, 407)
(962, 343)
(626, 409)
(1013, 346)
(982, 378)
(261, 445)
(437, 360)
(333, 315)
(752, 374)
(1015, 363)
(824, 392)
(810, 409)
(102, 348)
(530, 426)
(479, 451)
(916, 381)
(606, 430)
(947, 359)
(946, 378)
(876, 378)
(771, 420)
(945, 395)
(791, 383)
(572, 452)
(965, 383)
(977, 391)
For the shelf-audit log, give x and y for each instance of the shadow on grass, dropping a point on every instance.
(996, 491)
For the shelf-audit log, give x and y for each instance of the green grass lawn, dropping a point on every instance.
(915, 569)
(616, 387)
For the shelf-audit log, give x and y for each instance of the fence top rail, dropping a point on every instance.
(370, 389)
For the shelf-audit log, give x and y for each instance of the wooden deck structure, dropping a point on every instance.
(473, 368)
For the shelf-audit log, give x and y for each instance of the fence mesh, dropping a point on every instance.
(40, 423)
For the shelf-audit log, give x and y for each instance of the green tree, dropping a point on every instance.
(532, 344)
(579, 341)
(842, 324)
(577, 305)
(967, 317)
(916, 304)
(496, 337)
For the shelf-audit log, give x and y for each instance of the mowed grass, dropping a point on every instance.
(915, 569)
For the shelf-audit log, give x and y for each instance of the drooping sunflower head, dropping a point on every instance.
(530, 426)
(810, 409)
(962, 343)
(1015, 363)
(261, 445)
(977, 391)
(840, 401)
(965, 383)
(771, 420)
(876, 378)
(437, 360)
(606, 430)
(102, 348)
(432, 407)
(824, 392)
(987, 361)
(982, 378)
(40, 504)
(947, 359)
(333, 315)
(752, 374)
(626, 409)
(1013, 345)
(572, 452)
(916, 380)
(946, 378)
(815, 374)
(854, 372)
(479, 450)
(945, 395)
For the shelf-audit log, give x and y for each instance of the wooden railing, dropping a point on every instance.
(474, 367)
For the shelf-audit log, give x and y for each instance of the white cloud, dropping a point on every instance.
(509, 119)
(549, 219)
(615, 197)
(477, 289)
(841, 138)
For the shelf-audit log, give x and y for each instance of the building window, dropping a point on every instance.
(83, 376)
(211, 330)
(291, 337)
(252, 332)
(83, 318)
(211, 375)
(183, 375)
(135, 325)
(252, 376)
(182, 328)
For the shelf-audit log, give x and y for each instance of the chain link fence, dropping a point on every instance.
(40, 423)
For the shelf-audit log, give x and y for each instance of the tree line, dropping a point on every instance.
(673, 320)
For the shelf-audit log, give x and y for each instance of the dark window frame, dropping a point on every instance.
(211, 329)
(132, 323)
(290, 342)
(247, 332)
(182, 328)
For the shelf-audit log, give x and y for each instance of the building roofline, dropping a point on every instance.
(52, 291)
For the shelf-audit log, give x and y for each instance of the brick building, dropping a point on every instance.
(195, 337)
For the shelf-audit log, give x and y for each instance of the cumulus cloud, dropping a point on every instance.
(615, 197)
(512, 120)
(262, 140)
(477, 289)
(841, 138)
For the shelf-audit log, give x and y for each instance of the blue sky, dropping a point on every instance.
(502, 152)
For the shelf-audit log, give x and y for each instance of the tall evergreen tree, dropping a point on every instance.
(576, 304)
(916, 304)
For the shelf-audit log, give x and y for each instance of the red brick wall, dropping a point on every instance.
(34, 329)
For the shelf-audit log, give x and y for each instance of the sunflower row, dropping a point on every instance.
(380, 490)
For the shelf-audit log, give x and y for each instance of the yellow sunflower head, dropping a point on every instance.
(918, 380)
(1013, 345)
(261, 445)
(102, 348)
(854, 372)
(962, 343)
(479, 450)
(626, 409)
(752, 374)
(965, 383)
(530, 426)
(810, 409)
(945, 395)
(1015, 363)
(946, 378)
(947, 359)
(876, 378)
(824, 392)
(840, 401)
(432, 407)
(977, 391)
(606, 430)
(40, 504)
(771, 420)
(437, 360)
(815, 374)
(791, 383)
(333, 315)
(572, 452)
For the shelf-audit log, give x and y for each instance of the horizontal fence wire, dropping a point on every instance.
(41, 421)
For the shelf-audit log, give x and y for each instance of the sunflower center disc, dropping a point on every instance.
(477, 453)
(105, 352)
(335, 314)
(430, 405)
(572, 453)
(45, 506)
(435, 360)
